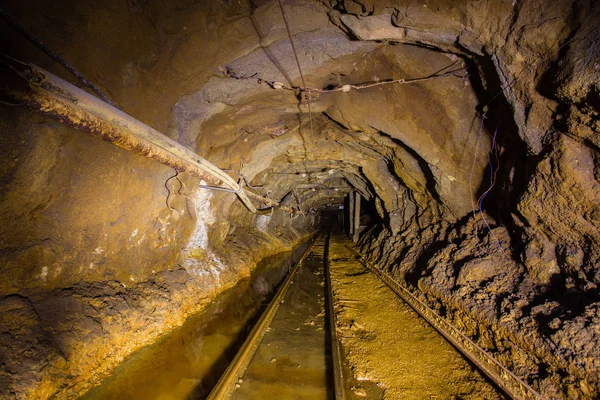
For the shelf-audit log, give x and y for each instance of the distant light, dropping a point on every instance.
(341, 207)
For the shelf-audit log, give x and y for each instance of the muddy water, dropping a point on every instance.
(188, 362)
(293, 360)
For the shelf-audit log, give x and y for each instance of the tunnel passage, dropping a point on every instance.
(470, 133)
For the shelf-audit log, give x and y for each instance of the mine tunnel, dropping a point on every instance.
(277, 199)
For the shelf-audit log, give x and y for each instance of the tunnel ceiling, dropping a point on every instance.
(383, 141)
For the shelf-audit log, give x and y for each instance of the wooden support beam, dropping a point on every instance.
(357, 198)
(350, 213)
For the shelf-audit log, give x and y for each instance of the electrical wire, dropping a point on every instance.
(306, 89)
(55, 56)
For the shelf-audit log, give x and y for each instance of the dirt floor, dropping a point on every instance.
(391, 351)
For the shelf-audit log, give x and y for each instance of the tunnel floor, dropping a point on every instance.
(388, 350)
(391, 351)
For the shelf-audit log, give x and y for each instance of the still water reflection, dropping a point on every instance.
(187, 363)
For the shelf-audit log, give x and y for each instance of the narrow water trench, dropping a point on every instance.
(187, 363)
(293, 360)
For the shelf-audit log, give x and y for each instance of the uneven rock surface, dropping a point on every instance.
(478, 168)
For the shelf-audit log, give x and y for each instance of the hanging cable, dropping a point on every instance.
(348, 87)
(306, 89)
(55, 56)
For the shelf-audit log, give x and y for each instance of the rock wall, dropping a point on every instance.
(522, 282)
(96, 263)
(104, 251)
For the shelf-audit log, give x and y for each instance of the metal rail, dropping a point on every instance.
(510, 383)
(238, 366)
(336, 351)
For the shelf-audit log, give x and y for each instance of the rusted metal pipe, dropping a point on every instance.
(66, 103)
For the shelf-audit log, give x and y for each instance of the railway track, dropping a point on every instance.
(294, 352)
(506, 380)
(288, 353)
